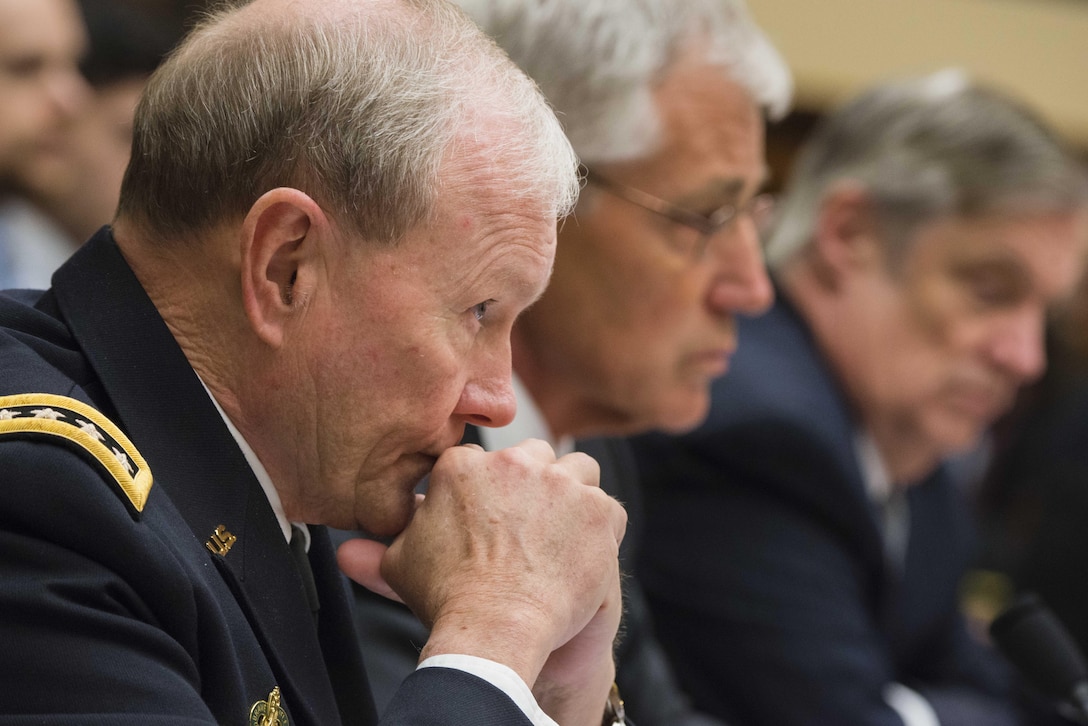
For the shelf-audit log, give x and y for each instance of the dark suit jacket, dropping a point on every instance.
(1035, 502)
(764, 565)
(113, 615)
(643, 674)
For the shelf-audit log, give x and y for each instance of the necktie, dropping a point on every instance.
(302, 560)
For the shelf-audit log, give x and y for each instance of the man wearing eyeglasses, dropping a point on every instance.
(664, 103)
(927, 229)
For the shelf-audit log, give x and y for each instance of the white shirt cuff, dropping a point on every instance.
(911, 706)
(502, 677)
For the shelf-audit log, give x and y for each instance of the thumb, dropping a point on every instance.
(361, 560)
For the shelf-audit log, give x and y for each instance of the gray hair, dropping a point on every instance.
(926, 148)
(359, 104)
(598, 61)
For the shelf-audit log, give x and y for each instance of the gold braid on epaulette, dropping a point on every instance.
(74, 421)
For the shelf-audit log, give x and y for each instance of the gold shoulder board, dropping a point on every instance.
(76, 422)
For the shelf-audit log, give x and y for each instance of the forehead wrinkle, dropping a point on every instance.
(506, 268)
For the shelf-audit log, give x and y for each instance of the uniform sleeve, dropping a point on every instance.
(450, 697)
(78, 638)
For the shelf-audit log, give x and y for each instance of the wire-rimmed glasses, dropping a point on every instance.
(759, 208)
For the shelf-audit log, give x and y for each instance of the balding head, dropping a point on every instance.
(366, 107)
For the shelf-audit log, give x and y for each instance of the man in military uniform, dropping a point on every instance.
(333, 214)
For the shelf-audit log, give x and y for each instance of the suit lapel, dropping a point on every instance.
(161, 404)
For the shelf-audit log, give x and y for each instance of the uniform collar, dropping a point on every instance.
(261, 473)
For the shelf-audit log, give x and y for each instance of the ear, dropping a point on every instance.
(282, 246)
(846, 234)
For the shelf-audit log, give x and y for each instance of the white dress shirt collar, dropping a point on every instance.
(262, 475)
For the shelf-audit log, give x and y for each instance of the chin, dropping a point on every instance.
(684, 415)
(956, 440)
(387, 524)
(386, 507)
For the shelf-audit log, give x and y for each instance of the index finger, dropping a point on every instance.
(583, 467)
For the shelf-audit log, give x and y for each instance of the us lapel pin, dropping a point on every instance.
(221, 541)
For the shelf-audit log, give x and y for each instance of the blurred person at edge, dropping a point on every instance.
(41, 94)
(928, 228)
(127, 41)
(664, 103)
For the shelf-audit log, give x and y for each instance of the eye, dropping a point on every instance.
(992, 288)
(993, 291)
(479, 310)
(23, 66)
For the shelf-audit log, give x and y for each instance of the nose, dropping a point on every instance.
(740, 282)
(1018, 347)
(487, 398)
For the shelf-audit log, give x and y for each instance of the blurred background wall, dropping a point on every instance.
(1037, 49)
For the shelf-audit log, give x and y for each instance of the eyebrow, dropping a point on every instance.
(721, 191)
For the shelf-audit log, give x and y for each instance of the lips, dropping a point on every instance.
(713, 362)
(433, 452)
(983, 404)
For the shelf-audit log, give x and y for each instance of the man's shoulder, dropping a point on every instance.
(778, 426)
(26, 311)
(55, 442)
(775, 350)
(37, 350)
(74, 483)
(51, 426)
(41, 399)
(778, 382)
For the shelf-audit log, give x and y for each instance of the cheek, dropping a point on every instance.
(916, 334)
(921, 380)
(31, 107)
(653, 303)
(621, 268)
(15, 126)
(427, 380)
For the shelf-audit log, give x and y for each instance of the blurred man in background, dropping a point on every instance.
(61, 198)
(41, 95)
(927, 230)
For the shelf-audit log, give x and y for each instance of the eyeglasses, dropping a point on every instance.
(759, 208)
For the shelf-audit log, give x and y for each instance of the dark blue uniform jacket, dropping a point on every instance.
(144, 578)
